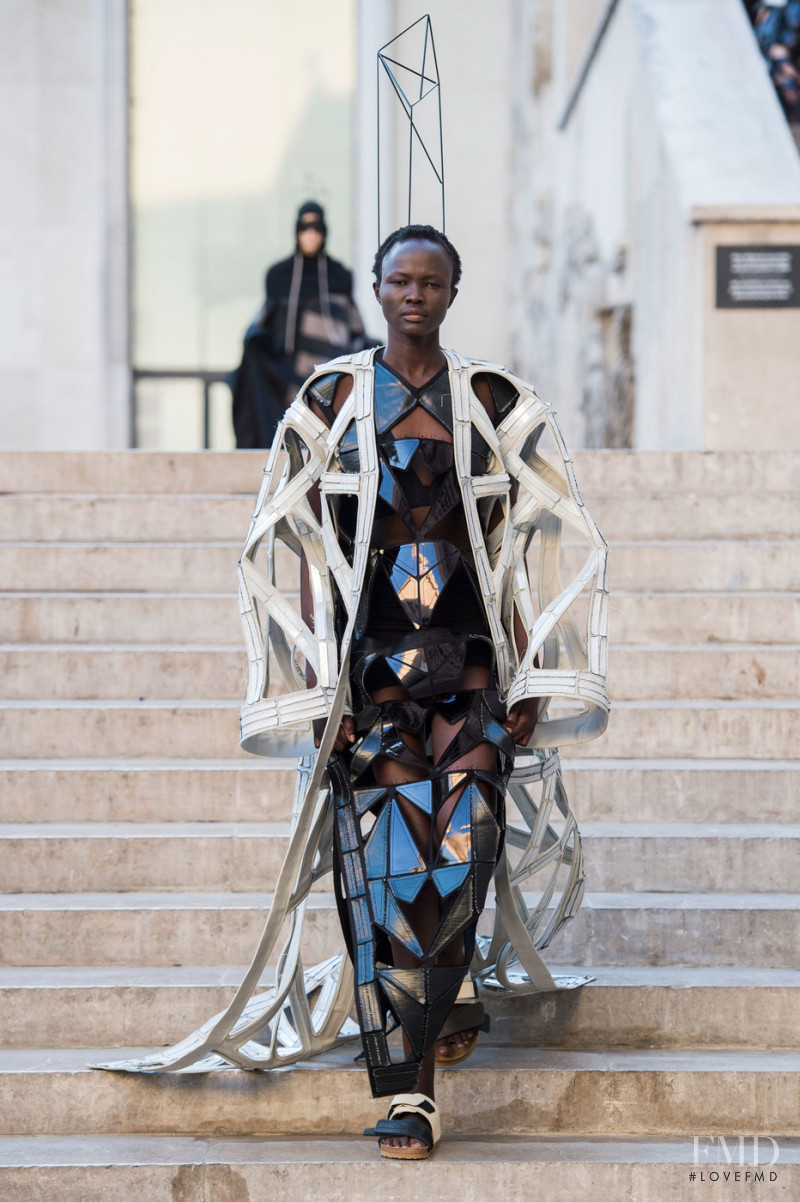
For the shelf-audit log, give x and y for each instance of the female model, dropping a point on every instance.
(420, 766)
(434, 681)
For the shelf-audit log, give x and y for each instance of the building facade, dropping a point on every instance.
(603, 161)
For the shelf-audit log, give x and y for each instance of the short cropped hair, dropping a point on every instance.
(418, 233)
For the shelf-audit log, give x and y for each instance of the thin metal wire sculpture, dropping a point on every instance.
(539, 880)
(424, 78)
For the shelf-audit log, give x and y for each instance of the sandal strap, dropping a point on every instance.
(411, 1128)
(465, 1016)
(422, 1106)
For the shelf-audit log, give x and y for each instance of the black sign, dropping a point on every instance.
(758, 277)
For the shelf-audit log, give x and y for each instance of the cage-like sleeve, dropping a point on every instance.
(559, 590)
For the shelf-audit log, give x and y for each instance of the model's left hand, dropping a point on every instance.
(345, 735)
(522, 719)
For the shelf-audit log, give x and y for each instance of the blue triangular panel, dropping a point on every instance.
(377, 891)
(364, 798)
(401, 451)
(387, 485)
(456, 845)
(406, 888)
(404, 855)
(377, 847)
(399, 927)
(420, 793)
(448, 879)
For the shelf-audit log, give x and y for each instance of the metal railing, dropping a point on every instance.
(207, 378)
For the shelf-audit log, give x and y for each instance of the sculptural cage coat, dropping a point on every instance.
(558, 588)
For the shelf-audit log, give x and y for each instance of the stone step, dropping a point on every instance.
(521, 1091)
(695, 857)
(654, 1007)
(248, 789)
(246, 857)
(693, 618)
(166, 1168)
(91, 671)
(622, 1007)
(240, 471)
(685, 790)
(122, 617)
(186, 517)
(202, 729)
(720, 671)
(692, 515)
(131, 517)
(131, 857)
(254, 790)
(656, 566)
(213, 619)
(41, 929)
(161, 471)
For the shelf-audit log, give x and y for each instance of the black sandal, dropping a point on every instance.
(467, 1017)
(422, 1123)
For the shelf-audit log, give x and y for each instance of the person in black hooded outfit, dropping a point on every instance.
(308, 317)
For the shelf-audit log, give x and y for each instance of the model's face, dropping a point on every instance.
(416, 288)
(310, 239)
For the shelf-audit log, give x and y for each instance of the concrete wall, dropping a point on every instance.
(474, 43)
(64, 380)
(750, 365)
(674, 113)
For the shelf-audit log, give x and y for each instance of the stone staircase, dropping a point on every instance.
(138, 846)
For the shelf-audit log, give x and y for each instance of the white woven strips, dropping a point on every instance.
(291, 491)
(341, 421)
(290, 622)
(253, 640)
(285, 510)
(339, 482)
(287, 499)
(598, 625)
(491, 486)
(520, 587)
(465, 408)
(582, 685)
(555, 610)
(273, 712)
(326, 662)
(334, 557)
(550, 864)
(540, 490)
(485, 427)
(541, 495)
(541, 482)
(368, 483)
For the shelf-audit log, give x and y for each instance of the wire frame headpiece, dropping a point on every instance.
(408, 62)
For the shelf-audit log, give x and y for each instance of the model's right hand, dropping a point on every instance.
(346, 733)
